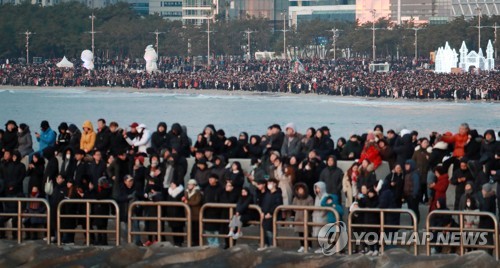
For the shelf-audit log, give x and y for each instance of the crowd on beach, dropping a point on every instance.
(133, 163)
(332, 77)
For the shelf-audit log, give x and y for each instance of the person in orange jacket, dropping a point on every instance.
(88, 138)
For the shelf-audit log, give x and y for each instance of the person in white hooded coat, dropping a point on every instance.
(319, 216)
(142, 141)
(292, 145)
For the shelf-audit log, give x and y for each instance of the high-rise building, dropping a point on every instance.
(368, 10)
(198, 11)
(168, 9)
(420, 11)
(469, 9)
(305, 10)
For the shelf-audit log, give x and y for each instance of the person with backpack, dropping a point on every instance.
(411, 187)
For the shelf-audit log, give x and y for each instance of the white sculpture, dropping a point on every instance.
(88, 59)
(151, 57)
(446, 59)
(477, 59)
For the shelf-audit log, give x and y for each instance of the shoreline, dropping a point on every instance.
(220, 92)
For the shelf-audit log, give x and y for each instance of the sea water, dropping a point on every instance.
(234, 113)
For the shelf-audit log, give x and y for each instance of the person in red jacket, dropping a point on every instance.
(439, 187)
(371, 152)
(459, 140)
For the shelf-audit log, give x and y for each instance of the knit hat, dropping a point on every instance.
(192, 182)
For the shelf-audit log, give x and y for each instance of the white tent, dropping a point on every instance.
(64, 63)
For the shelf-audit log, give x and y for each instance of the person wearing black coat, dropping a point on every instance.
(254, 148)
(68, 163)
(127, 194)
(117, 171)
(309, 171)
(13, 173)
(59, 193)
(404, 149)
(473, 146)
(212, 194)
(100, 191)
(52, 168)
(270, 201)
(9, 138)
(460, 178)
(395, 183)
(96, 168)
(103, 138)
(80, 168)
(386, 200)
(116, 141)
(179, 140)
(160, 139)
(174, 194)
(76, 135)
(489, 148)
(36, 168)
(63, 138)
(487, 203)
(236, 176)
(370, 200)
(230, 195)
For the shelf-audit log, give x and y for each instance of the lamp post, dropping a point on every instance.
(248, 32)
(416, 41)
(478, 9)
(283, 13)
(27, 34)
(335, 33)
(373, 11)
(209, 17)
(495, 27)
(157, 33)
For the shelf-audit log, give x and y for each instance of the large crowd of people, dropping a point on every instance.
(332, 77)
(286, 168)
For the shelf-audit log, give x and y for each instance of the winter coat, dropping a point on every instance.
(52, 168)
(179, 140)
(242, 207)
(117, 142)
(47, 139)
(439, 151)
(351, 147)
(13, 173)
(301, 200)
(269, 204)
(212, 194)
(421, 157)
(194, 201)
(459, 141)
(160, 140)
(319, 216)
(291, 146)
(175, 195)
(332, 200)
(285, 184)
(36, 175)
(332, 177)
(350, 190)
(141, 141)
(397, 188)
(76, 137)
(25, 142)
(103, 140)
(404, 149)
(125, 197)
(386, 200)
(473, 147)
(413, 176)
(440, 189)
(88, 139)
(201, 177)
(10, 140)
(489, 147)
(96, 171)
(366, 178)
(371, 153)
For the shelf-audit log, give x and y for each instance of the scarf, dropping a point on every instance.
(192, 192)
(175, 192)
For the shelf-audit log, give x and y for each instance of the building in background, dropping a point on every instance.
(364, 10)
(468, 8)
(331, 10)
(168, 9)
(198, 11)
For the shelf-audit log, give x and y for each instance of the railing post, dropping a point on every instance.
(275, 228)
(349, 233)
(129, 221)
(117, 223)
(158, 221)
(87, 221)
(306, 230)
(58, 229)
(49, 224)
(382, 229)
(200, 229)
(188, 227)
(231, 214)
(19, 222)
(461, 217)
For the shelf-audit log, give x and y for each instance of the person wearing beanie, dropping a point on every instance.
(194, 199)
(292, 143)
(46, 137)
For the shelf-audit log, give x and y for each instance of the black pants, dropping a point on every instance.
(413, 205)
(178, 240)
(195, 233)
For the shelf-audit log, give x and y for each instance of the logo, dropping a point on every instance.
(332, 238)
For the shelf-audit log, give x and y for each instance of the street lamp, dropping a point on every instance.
(478, 9)
(373, 11)
(248, 32)
(283, 13)
(335, 33)
(495, 27)
(209, 17)
(27, 34)
(157, 33)
(416, 41)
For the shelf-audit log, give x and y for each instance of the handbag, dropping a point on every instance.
(48, 187)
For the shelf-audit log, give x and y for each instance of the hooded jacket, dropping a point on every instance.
(87, 141)
(489, 147)
(319, 216)
(141, 141)
(292, 145)
(473, 147)
(332, 200)
(103, 140)
(9, 138)
(403, 149)
(413, 178)
(458, 140)
(25, 141)
(47, 139)
(160, 140)
(13, 176)
(76, 136)
(301, 200)
(179, 140)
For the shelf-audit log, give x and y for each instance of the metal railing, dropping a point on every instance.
(159, 220)
(382, 227)
(462, 230)
(231, 208)
(306, 223)
(88, 216)
(20, 214)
